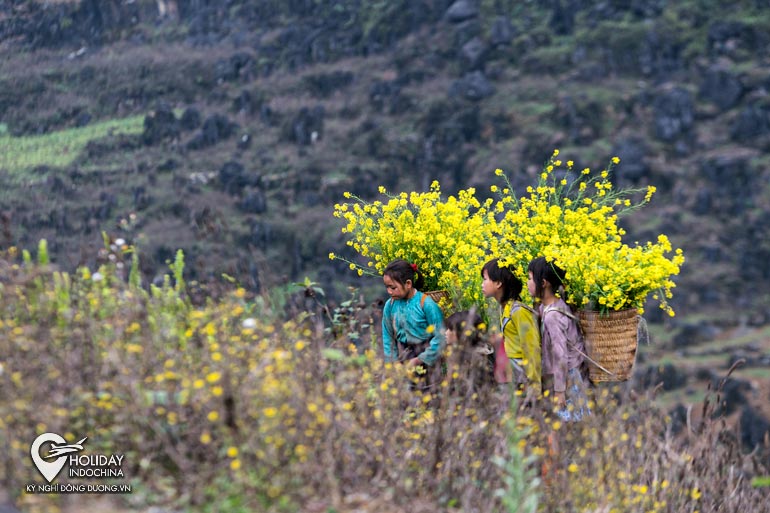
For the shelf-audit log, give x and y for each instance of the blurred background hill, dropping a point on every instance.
(230, 128)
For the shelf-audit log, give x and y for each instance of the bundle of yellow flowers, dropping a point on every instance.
(448, 239)
(571, 218)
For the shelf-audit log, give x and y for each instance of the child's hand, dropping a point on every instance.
(414, 362)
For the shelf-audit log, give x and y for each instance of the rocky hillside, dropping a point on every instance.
(255, 117)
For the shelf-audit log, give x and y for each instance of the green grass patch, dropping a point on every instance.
(534, 109)
(714, 353)
(754, 373)
(660, 336)
(593, 155)
(758, 336)
(701, 360)
(18, 155)
(670, 399)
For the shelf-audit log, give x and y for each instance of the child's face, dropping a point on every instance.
(397, 290)
(491, 288)
(531, 287)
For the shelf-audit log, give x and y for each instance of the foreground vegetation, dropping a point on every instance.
(253, 404)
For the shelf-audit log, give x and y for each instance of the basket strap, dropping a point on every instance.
(591, 360)
(515, 305)
(547, 309)
(571, 316)
(642, 332)
(422, 300)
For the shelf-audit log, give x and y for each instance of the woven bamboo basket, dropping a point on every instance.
(611, 342)
(442, 299)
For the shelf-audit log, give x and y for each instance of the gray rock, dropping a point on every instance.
(668, 374)
(215, 129)
(562, 19)
(160, 124)
(729, 177)
(473, 86)
(473, 54)
(382, 92)
(721, 88)
(733, 394)
(323, 85)
(633, 164)
(754, 428)
(674, 114)
(501, 33)
(246, 103)
(462, 10)
(306, 127)
(191, 119)
(254, 202)
(694, 333)
(465, 31)
(753, 121)
(232, 177)
(260, 235)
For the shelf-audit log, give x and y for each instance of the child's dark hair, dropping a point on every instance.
(468, 326)
(542, 269)
(511, 284)
(402, 271)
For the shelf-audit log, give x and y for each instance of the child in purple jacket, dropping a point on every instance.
(563, 350)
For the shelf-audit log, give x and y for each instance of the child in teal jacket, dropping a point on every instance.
(412, 323)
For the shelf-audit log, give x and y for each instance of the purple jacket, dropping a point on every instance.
(563, 346)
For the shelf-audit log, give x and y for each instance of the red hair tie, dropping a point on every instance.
(414, 267)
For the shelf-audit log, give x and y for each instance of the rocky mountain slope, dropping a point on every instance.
(257, 116)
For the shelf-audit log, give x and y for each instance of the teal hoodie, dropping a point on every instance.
(406, 321)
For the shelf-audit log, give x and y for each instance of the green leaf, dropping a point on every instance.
(42, 252)
(332, 354)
